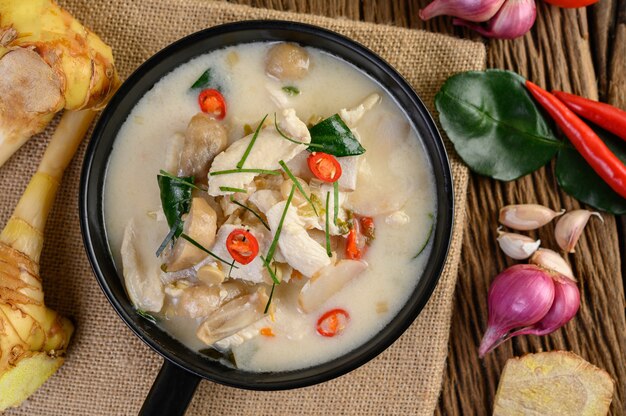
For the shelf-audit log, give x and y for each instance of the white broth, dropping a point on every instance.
(394, 186)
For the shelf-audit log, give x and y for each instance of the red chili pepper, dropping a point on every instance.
(355, 244)
(242, 246)
(589, 145)
(212, 102)
(367, 224)
(332, 322)
(604, 115)
(324, 166)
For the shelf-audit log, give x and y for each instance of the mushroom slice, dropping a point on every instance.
(200, 225)
(287, 61)
(143, 285)
(327, 282)
(232, 317)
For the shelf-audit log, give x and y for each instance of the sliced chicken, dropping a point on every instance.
(301, 251)
(265, 199)
(351, 116)
(142, 281)
(255, 270)
(328, 282)
(200, 225)
(269, 148)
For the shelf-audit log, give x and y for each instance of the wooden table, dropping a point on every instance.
(579, 50)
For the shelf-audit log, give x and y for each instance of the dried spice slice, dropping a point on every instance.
(553, 383)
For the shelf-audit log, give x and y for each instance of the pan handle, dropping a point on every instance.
(171, 391)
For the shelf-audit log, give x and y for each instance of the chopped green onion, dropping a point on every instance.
(330, 254)
(231, 189)
(284, 136)
(291, 90)
(180, 180)
(336, 204)
(297, 183)
(270, 252)
(430, 232)
(249, 148)
(231, 268)
(272, 273)
(261, 171)
(256, 214)
(198, 245)
(267, 307)
(203, 80)
(169, 237)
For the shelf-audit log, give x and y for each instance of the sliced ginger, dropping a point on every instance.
(556, 383)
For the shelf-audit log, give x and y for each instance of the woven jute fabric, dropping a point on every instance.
(108, 370)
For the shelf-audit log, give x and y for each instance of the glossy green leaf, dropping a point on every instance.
(332, 136)
(175, 199)
(494, 124)
(579, 180)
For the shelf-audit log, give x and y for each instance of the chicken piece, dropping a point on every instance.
(233, 316)
(143, 284)
(200, 300)
(255, 270)
(277, 95)
(553, 383)
(351, 116)
(265, 199)
(200, 225)
(205, 138)
(287, 61)
(328, 282)
(301, 251)
(270, 147)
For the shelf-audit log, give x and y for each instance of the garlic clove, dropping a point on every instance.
(519, 297)
(472, 10)
(526, 217)
(564, 307)
(570, 227)
(517, 246)
(551, 260)
(513, 20)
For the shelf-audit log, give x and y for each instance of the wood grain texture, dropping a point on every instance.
(578, 50)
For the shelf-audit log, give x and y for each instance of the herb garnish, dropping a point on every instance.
(297, 183)
(169, 237)
(291, 90)
(230, 270)
(330, 254)
(284, 136)
(334, 137)
(204, 80)
(261, 171)
(247, 208)
(270, 252)
(430, 232)
(175, 193)
(249, 148)
(267, 306)
(188, 181)
(231, 189)
(201, 247)
(336, 204)
(147, 316)
(269, 270)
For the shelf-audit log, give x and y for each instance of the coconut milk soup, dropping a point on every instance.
(288, 198)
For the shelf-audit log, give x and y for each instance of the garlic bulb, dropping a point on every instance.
(570, 227)
(513, 20)
(472, 10)
(527, 217)
(517, 246)
(552, 261)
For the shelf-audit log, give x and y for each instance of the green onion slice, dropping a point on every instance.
(330, 254)
(336, 204)
(249, 148)
(272, 249)
(229, 171)
(231, 189)
(201, 247)
(169, 237)
(297, 183)
(284, 136)
(180, 180)
(430, 233)
(267, 307)
(256, 214)
(272, 273)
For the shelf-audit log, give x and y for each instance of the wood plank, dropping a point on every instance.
(556, 54)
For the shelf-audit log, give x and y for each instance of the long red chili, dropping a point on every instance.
(589, 145)
(604, 115)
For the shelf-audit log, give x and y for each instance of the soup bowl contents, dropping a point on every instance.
(269, 205)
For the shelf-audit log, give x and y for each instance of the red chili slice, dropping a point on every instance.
(242, 246)
(356, 241)
(325, 167)
(333, 322)
(211, 101)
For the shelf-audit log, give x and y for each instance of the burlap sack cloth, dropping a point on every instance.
(108, 370)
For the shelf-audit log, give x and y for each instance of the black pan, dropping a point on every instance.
(183, 368)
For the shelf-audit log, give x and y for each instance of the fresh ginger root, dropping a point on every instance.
(33, 338)
(555, 383)
(48, 62)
